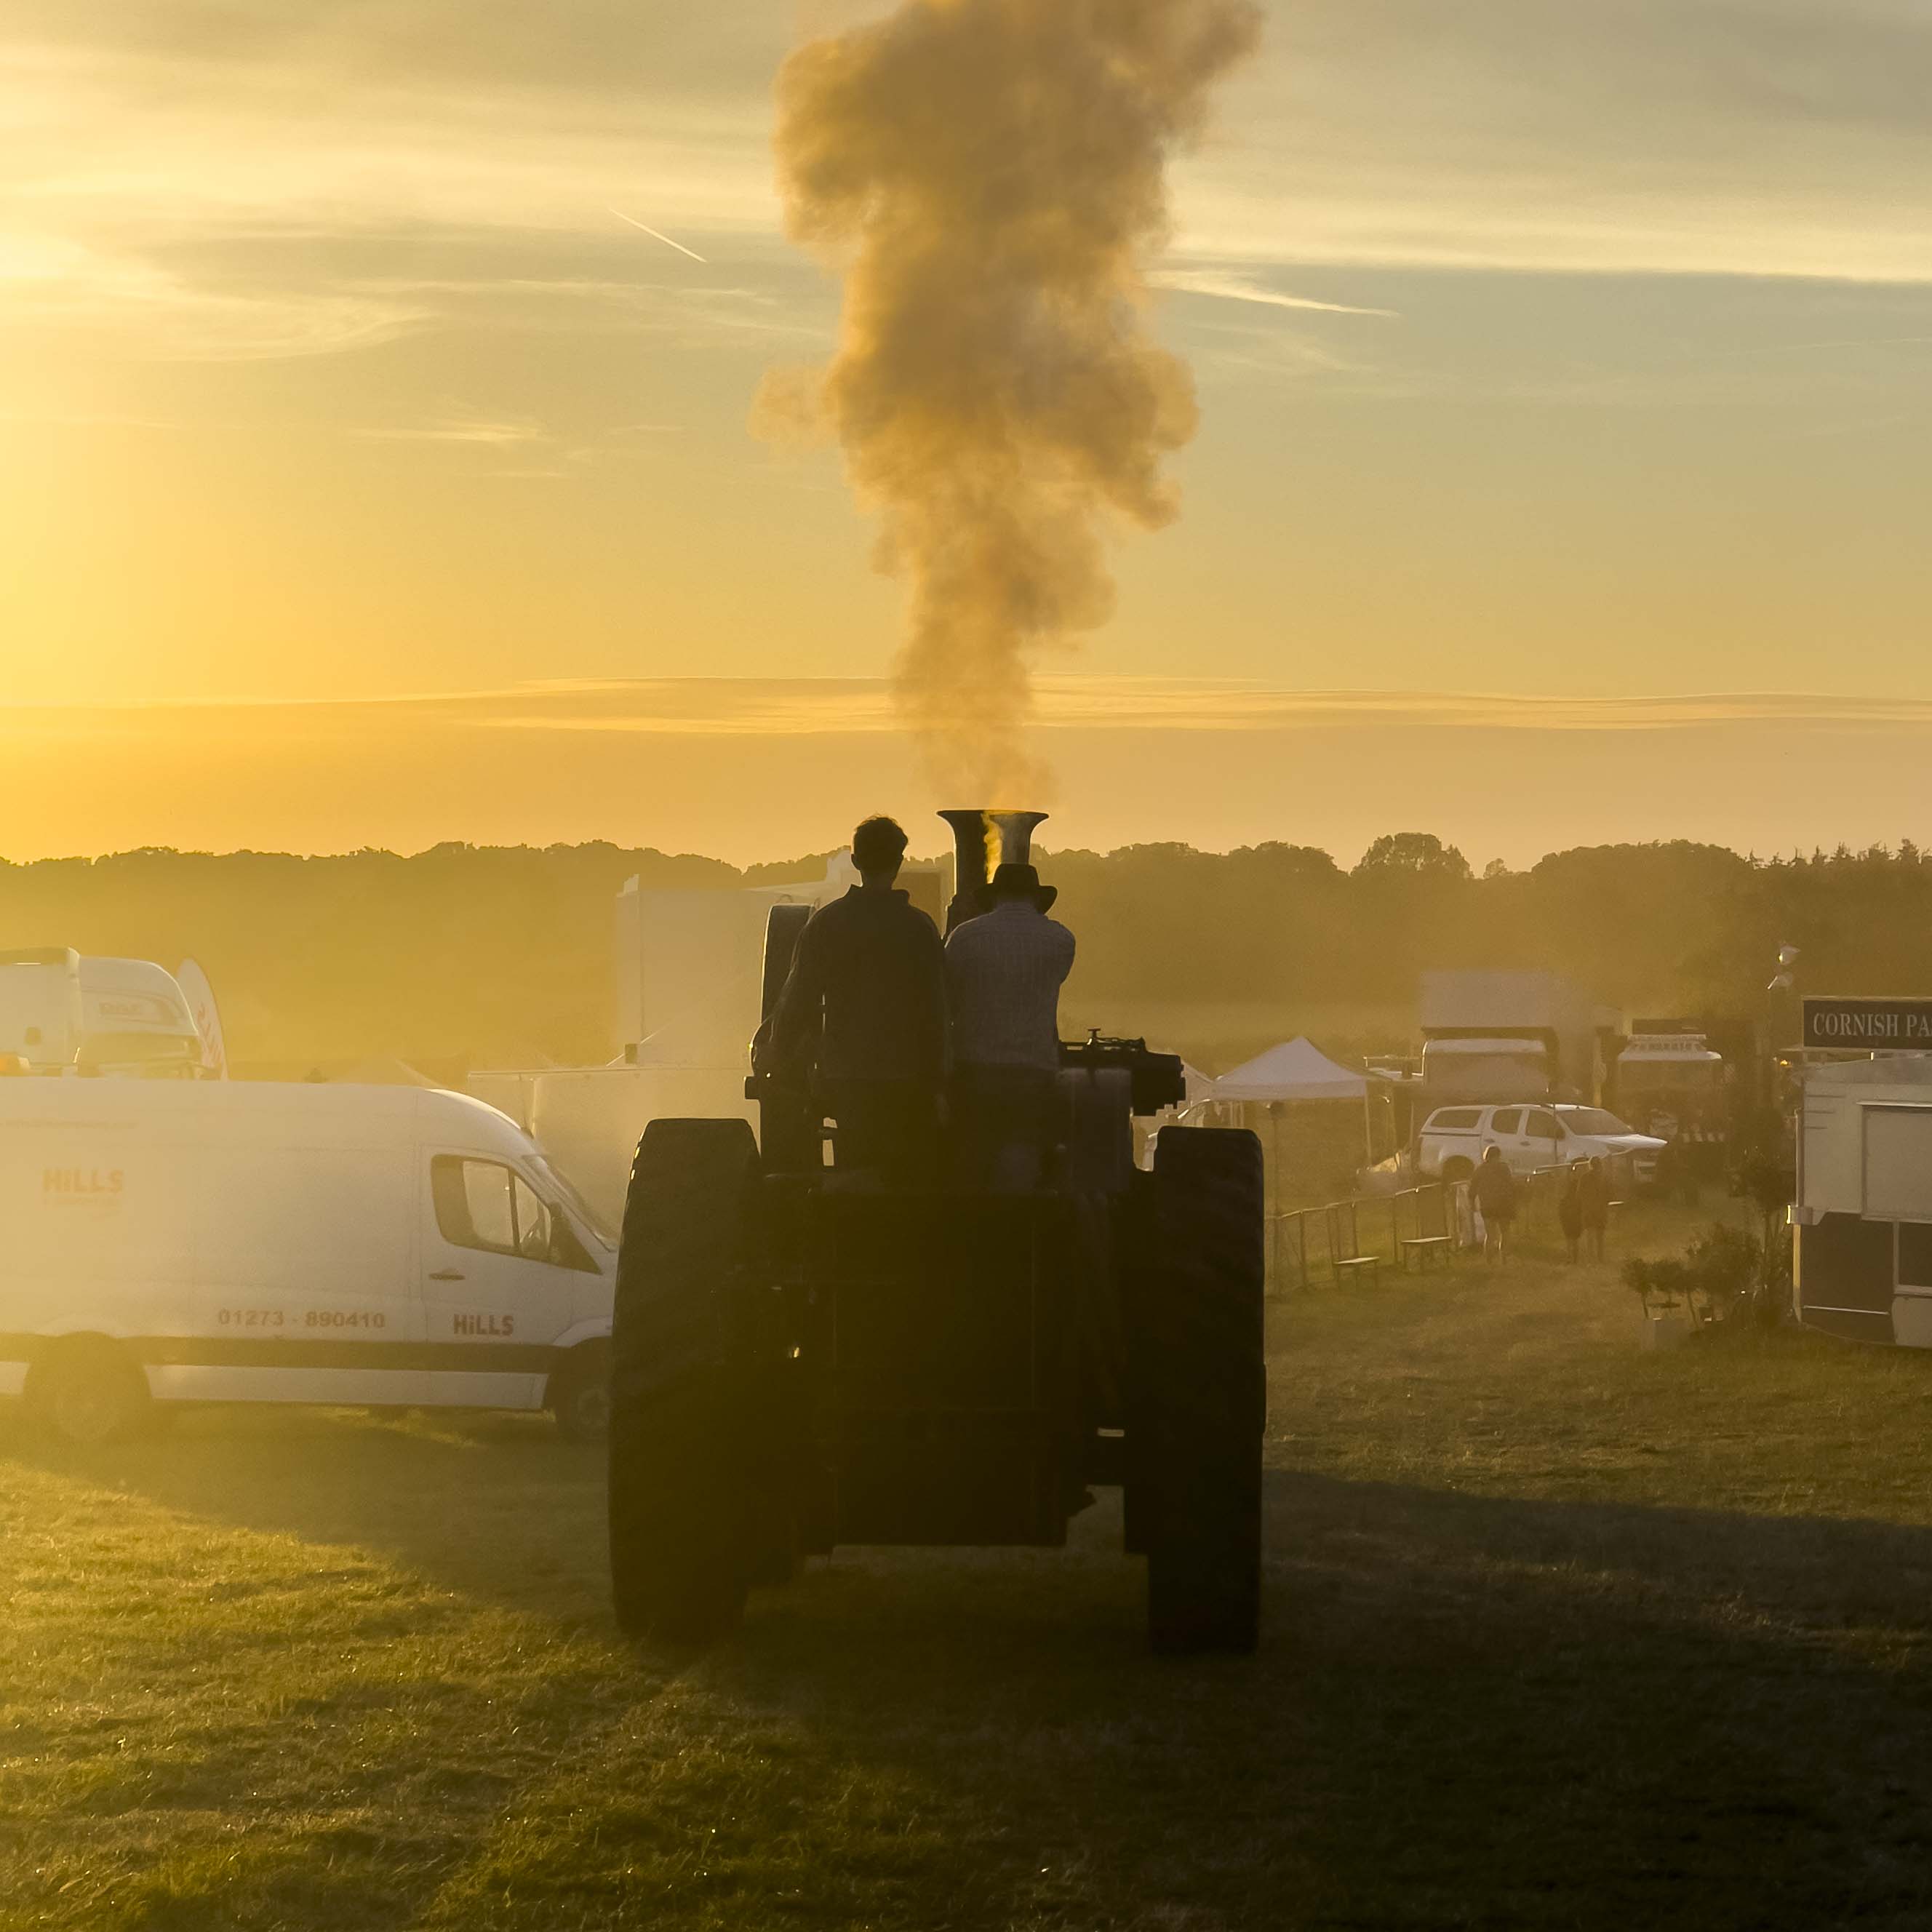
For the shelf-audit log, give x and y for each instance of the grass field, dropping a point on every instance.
(1560, 1632)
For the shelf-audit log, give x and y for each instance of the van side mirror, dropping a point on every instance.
(565, 1249)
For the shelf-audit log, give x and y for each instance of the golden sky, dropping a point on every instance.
(1555, 351)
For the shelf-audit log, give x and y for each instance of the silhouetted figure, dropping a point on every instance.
(1495, 1191)
(1595, 1192)
(863, 1017)
(1570, 1208)
(1003, 973)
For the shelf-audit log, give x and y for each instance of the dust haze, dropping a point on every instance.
(990, 177)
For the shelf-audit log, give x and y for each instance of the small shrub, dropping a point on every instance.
(1719, 1270)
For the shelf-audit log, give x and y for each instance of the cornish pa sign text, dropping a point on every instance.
(1868, 1023)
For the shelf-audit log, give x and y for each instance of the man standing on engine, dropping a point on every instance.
(1004, 973)
(862, 1019)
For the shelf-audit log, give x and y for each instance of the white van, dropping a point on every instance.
(229, 1241)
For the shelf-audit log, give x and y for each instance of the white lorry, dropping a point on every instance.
(64, 1012)
(172, 1241)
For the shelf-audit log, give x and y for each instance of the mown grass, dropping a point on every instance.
(1562, 1633)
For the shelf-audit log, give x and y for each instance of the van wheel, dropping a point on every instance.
(1456, 1170)
(90, 1391)
(578, 1393)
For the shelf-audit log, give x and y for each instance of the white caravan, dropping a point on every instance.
(1862, 1221)
(229, 1241)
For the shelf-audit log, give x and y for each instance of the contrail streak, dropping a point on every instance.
(655, 236)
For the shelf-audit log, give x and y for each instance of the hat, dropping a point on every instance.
(1019, 881)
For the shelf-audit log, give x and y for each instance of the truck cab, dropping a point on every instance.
(135, 1021)
(1667, 1080)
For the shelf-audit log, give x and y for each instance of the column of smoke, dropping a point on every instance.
(991, 176)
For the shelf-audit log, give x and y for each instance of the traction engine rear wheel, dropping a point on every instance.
(685, 1473)
(1201, 1380)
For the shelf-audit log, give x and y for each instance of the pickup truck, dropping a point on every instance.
(1453, 1139)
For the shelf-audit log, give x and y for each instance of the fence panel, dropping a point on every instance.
(1302, 1241)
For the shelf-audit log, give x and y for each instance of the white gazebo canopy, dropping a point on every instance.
(1297, 1069)
(1199, 1086)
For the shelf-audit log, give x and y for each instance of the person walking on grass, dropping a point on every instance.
(1595, 1192)
(1569, 1209)
(1495, 1189)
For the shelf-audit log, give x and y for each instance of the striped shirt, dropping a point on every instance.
(1003, 973)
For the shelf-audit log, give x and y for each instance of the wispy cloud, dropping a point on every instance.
(816, 707)
(159, 312)
(1225, 286)
(1733, 137)
(463, 429)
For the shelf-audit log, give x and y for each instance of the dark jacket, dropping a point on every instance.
(1570, 1202)
(1495, 1189)
(1593, 1197)
(866, 996)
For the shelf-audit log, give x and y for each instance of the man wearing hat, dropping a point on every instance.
(1004, 973)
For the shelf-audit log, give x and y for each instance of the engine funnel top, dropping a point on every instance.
(983, 841)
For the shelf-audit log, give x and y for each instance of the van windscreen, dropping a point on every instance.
(575, 1201)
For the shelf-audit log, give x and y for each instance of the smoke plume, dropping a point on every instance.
(990, 176)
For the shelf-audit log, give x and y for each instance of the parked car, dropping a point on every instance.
(1452, 1139)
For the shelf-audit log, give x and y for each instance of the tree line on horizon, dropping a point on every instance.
(502, 956)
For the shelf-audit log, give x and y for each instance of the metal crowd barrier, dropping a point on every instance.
(1367, 1231)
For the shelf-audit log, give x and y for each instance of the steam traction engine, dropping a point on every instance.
(801, 1360)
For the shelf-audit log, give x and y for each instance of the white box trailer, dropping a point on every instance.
(1531, 1009)
(690, 984)
(1484, 1070)
(235, 1241)
(1862, 1259)
(40, 1007)
(589, 1119)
